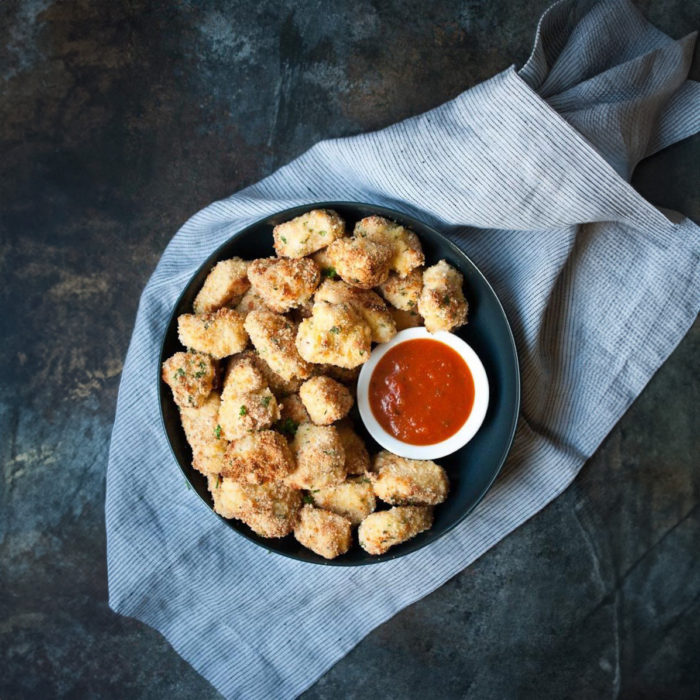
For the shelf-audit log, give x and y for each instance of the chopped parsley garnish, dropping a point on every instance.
(329, 272)
(284, 240)
(287, 427)
(199, 374)
(218, 481)
(445, 300)
(179, 373)
(265, 400)
(243, 411)
(217, 431)
(335, 330)
(321, 233)
(308, 499)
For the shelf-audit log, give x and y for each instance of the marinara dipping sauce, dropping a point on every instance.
(421, 391)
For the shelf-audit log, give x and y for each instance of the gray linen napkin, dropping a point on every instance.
(528, 173)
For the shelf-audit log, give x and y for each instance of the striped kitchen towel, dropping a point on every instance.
(528, 172)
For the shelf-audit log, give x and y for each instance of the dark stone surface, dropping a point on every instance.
(120, 119)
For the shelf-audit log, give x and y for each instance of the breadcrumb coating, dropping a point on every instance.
(442, 303)
(274, 338)
(308, 233)
(325, 533)
(278, 385)
(219, 333)
(368, 304)
(384, 529)
(258, 458)
(203, 433)
(406, 250)
(247, 404)
(360, 262)
(403, 292)
(356, 455)
(284, 283)
(270, 510)
(226, 282)
(191, 377)
(335, 334)
(408, 482)
(325, 400)
(319, 455)
(292, 409)
(250, 301)
(353, 499)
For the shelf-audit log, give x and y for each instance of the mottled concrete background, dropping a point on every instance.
(120, 119)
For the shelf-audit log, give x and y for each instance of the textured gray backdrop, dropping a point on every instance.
(120, 119)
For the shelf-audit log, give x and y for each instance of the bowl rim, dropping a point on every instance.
(411, 546)
(458, 439)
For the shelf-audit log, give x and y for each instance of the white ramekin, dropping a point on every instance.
(454, 442)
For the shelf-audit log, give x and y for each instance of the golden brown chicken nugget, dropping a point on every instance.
(323, 532)
(360, 262)
(384, 529)
(278, 385)
(406, 250)
(325, 400)
(368, 304)
(308, 233)
(191, 376)
(219, 333)
(250, 301)
(270, 510)
(319, 456)
(408, 482)
(284, 283)
(247, 404)
(203, 433)
(226, 282)
(353, 499)
(335, 334)
(442, 303)
(274, 338)
(258, 458)
(356, 455)
(292, 409)
(403, 292)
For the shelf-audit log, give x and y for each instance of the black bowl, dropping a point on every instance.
(472, 469)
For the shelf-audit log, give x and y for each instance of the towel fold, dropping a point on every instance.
(527, 172)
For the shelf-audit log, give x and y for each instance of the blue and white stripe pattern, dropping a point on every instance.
(528, 172)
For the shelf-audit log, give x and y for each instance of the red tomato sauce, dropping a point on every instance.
(421, 391)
